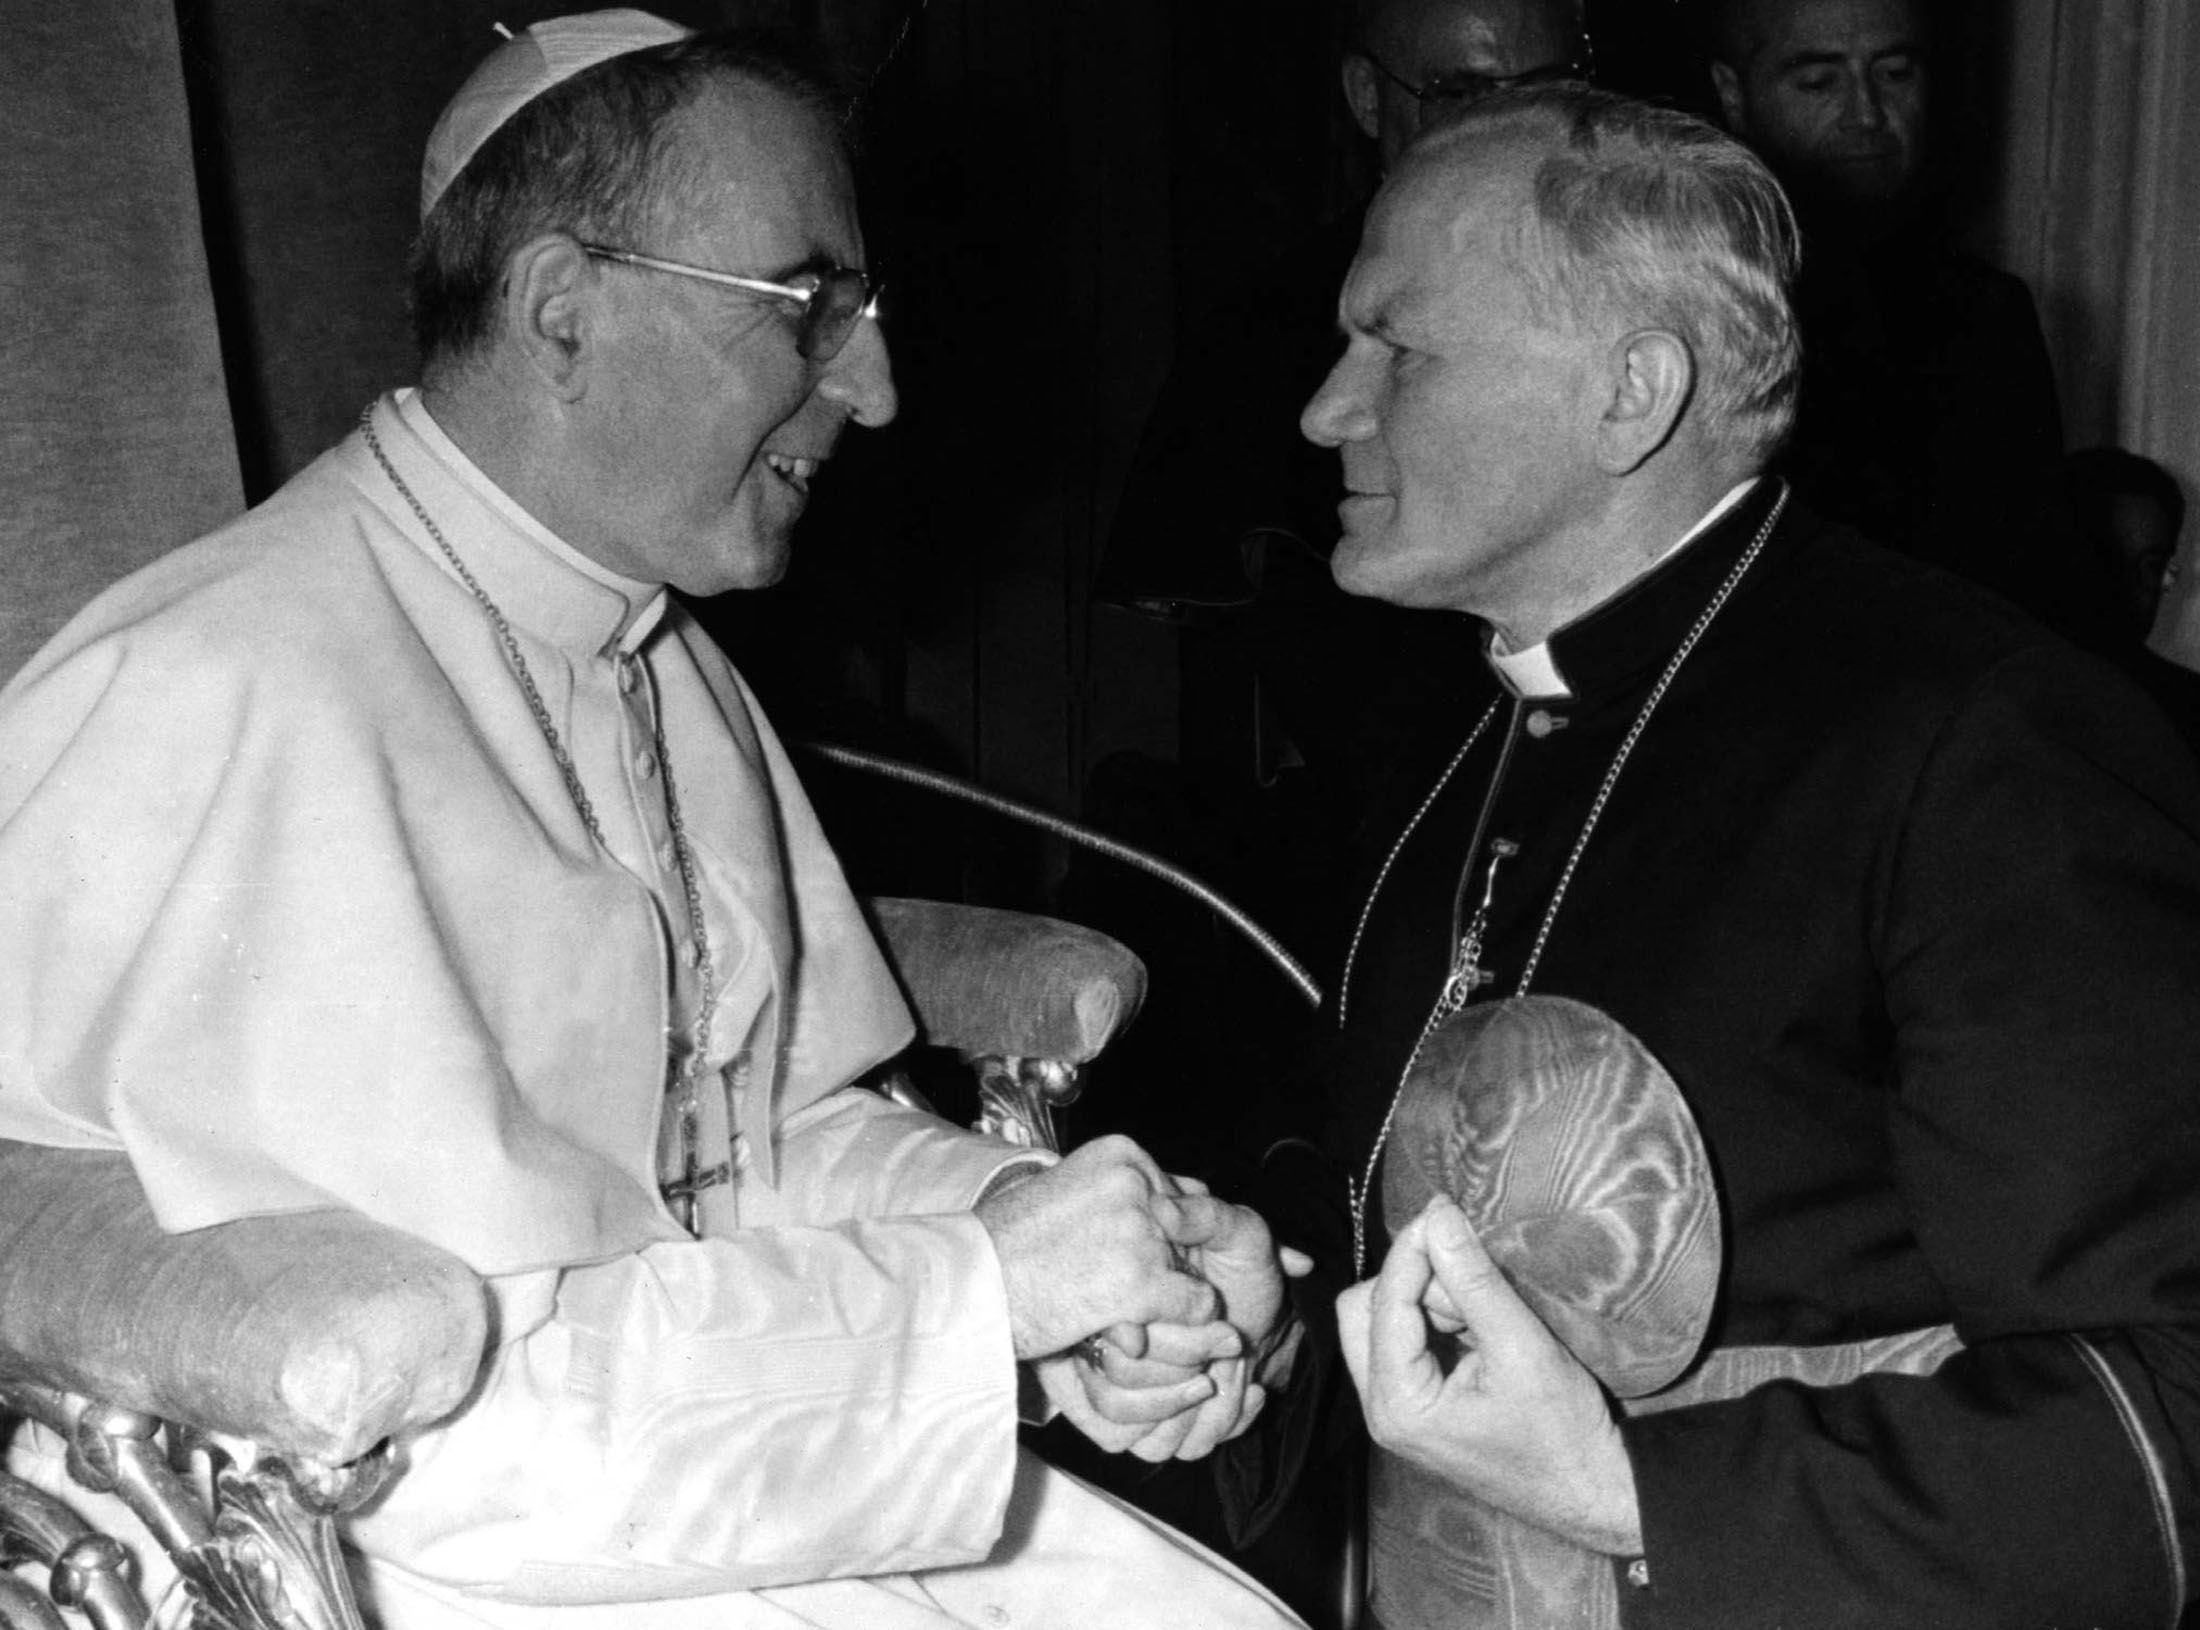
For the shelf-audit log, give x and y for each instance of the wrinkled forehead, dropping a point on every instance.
(1455, 213)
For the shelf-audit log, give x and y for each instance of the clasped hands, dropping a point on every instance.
(1183, 1291)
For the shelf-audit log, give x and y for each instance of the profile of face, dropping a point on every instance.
(2142, 536)
(703, 423)
(1832, 94)
(1464, 415)
(1427, 43)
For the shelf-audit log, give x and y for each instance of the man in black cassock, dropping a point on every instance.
(1903, 891)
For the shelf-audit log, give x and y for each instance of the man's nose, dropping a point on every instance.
(1867, 107)
(860, 378)
(1340, 410)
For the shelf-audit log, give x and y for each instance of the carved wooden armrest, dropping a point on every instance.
(1028, 1000)
(230, 1385)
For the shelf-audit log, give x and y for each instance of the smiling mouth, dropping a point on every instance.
(796, 472)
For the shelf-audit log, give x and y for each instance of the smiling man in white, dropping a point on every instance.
(407, 847)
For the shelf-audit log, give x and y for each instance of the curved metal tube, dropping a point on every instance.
(894, 769)
(22, 1608)
(86, 1570)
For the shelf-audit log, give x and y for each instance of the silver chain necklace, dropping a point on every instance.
(681, 1193)
(1361, 1189)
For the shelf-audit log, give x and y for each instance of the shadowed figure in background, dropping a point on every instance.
(2131, 512)
(1929, 418)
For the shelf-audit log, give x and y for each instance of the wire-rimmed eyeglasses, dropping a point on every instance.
(832, 305)
(1447, 92)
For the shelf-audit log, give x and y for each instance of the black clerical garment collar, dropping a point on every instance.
(1528, 774)
(1634, 633)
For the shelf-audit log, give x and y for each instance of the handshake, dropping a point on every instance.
(1150, 1312)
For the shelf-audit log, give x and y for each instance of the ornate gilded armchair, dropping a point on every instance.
(237, 1388)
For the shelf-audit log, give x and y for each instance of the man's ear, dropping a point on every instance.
(551, 293)
(1651, 380)
(1728, 84)
(1363, 94)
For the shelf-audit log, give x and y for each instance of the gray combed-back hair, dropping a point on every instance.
(1649, 217)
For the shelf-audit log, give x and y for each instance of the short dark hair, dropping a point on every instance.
(589, 156)
(1651, 215)
(1724, 33)
(2097, 474)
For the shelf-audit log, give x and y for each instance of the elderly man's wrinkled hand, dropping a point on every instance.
(1102, 1241)
(1145, 1392)
(1187, 1393)
(1512, 1418)
(1242, 1261)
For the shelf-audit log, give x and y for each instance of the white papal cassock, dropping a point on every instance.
(297, 909)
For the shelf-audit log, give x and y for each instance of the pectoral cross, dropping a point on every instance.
(681, 1193)
(1467, 973)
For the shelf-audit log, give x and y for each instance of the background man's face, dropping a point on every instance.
(1459, 414)
(1423, 40)
(2143, 537)
(1832, 94)
(708, 425)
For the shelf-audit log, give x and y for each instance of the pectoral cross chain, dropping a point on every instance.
(1467, 973)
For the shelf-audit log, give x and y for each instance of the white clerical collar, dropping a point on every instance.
(645, 602)
(1532, 674)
